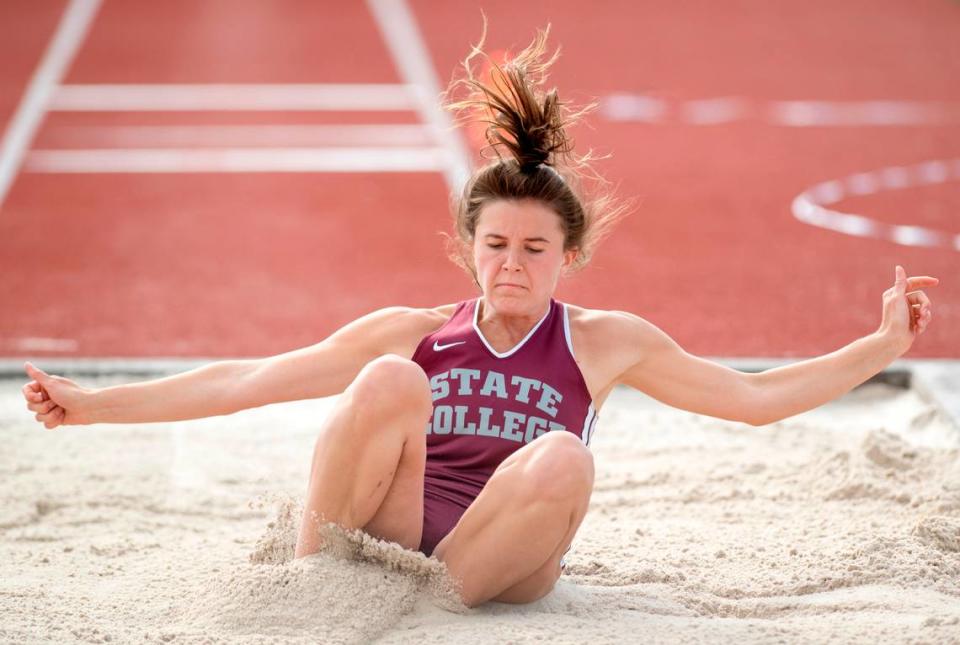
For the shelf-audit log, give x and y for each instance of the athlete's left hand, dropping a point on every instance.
(906, 310)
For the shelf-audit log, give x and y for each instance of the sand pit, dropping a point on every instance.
(840, 524)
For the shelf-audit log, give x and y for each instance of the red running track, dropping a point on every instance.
(236, 264)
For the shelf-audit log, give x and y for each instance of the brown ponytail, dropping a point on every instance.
(526, 130)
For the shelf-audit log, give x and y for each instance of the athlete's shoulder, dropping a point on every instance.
(403, 327)
(601, 320)
(390, 330)
(599, 329)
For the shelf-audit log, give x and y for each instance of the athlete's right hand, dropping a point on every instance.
(56, 400)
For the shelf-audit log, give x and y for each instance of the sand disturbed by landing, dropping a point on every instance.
(839, 524)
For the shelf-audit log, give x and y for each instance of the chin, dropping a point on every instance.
(512, 300)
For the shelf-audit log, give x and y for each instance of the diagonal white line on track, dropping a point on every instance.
(399, 29)
(70, 33)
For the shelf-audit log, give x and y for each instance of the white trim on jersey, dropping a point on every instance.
(566, 330)
(593, 426)
(588, 425)
(510, 352)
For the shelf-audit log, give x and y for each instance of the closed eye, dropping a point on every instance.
(500, 246)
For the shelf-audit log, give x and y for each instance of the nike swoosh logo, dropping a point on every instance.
(439, 348)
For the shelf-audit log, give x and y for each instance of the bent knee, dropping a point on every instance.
(560, 463)
(393, 382)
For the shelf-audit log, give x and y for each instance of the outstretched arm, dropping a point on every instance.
(798, 387)
(668, 373)
(224, 387)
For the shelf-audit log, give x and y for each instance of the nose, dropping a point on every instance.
(512, 261)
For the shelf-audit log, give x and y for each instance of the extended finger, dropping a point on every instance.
(921, 281)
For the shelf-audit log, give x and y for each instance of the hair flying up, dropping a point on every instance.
(526, 128)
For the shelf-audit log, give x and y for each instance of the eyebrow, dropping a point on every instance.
(529, 239)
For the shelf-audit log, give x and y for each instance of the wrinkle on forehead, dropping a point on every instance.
(498, 236)
(510, 216)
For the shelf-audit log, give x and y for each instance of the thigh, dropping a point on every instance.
(569, 478)
(400, 515)
(384, 408)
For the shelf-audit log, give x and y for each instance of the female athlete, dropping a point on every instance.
(463, 431)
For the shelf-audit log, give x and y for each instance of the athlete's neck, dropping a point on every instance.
(507, 329)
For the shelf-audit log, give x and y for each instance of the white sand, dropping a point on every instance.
(840, 524)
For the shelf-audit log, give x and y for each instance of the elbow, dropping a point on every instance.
(239, 389)
(759, 421)
(763, 415)
(758, 408)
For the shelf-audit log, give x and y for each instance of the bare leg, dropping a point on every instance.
(508, 544)
(369, 459)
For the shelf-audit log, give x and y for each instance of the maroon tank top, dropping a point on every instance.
(487, 405)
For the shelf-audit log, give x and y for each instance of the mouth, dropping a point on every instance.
(509, 284)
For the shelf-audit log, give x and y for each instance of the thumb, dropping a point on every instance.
(900, 284)
(36, 373)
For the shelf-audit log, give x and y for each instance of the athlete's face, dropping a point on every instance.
(518, 253)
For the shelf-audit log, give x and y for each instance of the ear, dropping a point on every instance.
(569, 257)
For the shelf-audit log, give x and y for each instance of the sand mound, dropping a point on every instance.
(352, 591)
(940, 532)
(841, 524)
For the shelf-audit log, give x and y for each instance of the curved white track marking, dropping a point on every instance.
(23, 125)
(810, 206)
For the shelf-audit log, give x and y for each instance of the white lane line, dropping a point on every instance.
(715, 111)
(858, 113)
(810, 206)
(634, 107)
(399, 30)
(623, 106)
(168, 160)
(33, 344)
(23, 125)
(163, 98)
(173, 136)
